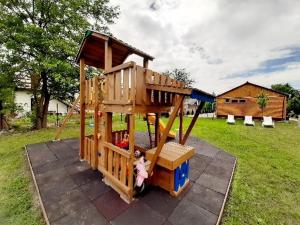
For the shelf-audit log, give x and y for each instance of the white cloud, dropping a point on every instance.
(213, 39)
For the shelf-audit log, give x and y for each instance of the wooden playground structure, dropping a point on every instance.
(131, 89)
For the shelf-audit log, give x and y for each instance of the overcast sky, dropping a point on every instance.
(221, 43)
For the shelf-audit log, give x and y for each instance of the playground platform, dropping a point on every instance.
(70, 192)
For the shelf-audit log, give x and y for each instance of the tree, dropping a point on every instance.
(181, 75)
(262, 101)
(39, 40)
(7, 106)
(293, 107)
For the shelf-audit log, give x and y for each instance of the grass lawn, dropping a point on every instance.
(266, 185)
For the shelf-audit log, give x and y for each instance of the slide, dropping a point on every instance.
(162, 126)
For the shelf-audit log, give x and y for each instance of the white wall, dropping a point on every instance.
(23, 99)
(62, 108)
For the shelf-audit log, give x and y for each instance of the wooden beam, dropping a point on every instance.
(70, 113)
(186, 135)
(131, 151)
(82, 106)
(145, 63)
(156, 125)
(94, 163)
(184, 91)
(165, 134)
(180, 122)
(107, 56)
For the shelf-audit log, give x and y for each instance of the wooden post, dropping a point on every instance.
(82, 106)
(131, 150)
(180, 122)
(145, 63)
(186, 135)
(156, 123)
(165, 134)
(96, 123)
(70, 113)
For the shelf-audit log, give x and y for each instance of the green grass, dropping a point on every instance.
(266, 185)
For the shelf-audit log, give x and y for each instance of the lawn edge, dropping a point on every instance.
(227, 193)
(37, 188)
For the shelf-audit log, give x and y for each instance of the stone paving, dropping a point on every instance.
(71, 193)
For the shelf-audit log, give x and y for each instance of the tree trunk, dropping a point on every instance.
(41, 103)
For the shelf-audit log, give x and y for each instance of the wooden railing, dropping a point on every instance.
(120, 84)
(89, 153)
(117, 168)
(90, 91)
(118, 136)
(129, 83)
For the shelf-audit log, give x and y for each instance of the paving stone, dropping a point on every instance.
(160, 201)
(194, 174)
(85, 176)
(139, 214)
(87, 215)
(39, 154)
(110, 204)
(67, 205)
(213, 182)
(94, 189)
(223, 163)
(53, 165)
(78, 166)
(188, 213)
(200, 162)
(219, 171)
(57, 179)
(206, 198)
(167, 223)
(61, 150)
(225, 157)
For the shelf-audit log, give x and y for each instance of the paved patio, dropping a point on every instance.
(71, 193)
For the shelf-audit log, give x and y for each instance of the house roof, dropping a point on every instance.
(256, 85)
(93, 47)
(202, 95)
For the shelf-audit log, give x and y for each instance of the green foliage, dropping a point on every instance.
(293, 107)
(208, 107)
(181, 75)
(262, 100)
(39, 41)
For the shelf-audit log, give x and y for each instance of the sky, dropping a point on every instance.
(221, 43)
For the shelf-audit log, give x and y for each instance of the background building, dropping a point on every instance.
(242, 100)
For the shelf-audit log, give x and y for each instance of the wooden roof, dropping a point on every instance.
(269, 89)
(93, 47)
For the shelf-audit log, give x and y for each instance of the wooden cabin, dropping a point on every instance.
(242, 100)
(131, 89)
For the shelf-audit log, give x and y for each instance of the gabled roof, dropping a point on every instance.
(93, 46)
(256, 85)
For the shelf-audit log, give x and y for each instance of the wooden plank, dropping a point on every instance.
(133, 83)
(117, 149)
(117, 87)
(188, 131)
(117, 165)
(110, 160)
(180, 122)
(120, 67)
(96, 123)
(165, 134)
(185, 91)
(82, 106)
(70, 113)
(126, 84)
(123, 170)
(131, 150)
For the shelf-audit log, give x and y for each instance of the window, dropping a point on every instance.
(227, 100)
(242, 101)
(234, 101)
